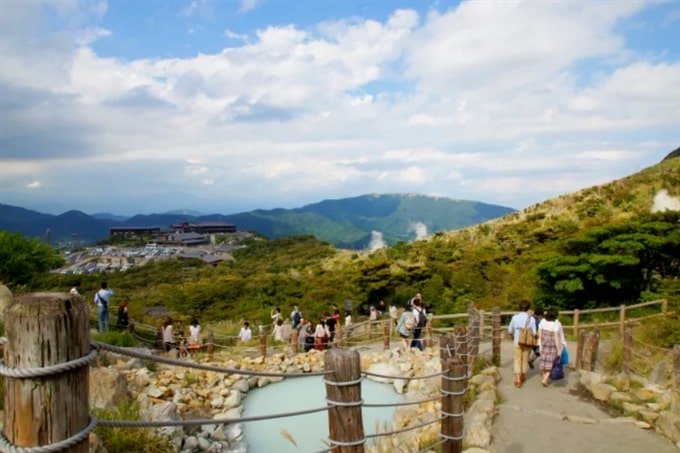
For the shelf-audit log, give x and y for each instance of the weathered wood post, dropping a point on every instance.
(429, 341)
(577, 315)
(627, 351)
(588, 352)
(580, 345)
(453, 389)
(664, 306)
(460, 338)
(211, 343)
(160, 344)
(473, 336)
(294, 337)
(386, 334)
(496, 336)
(44, 330)
(622, 319)
(595, 348)
(447, 347)
(675, 397)
(343, 393)
(482, 320)
(263, 341)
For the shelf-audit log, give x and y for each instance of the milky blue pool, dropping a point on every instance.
(309, 431)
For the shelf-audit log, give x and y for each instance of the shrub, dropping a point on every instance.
(120, 339)
(128, 440)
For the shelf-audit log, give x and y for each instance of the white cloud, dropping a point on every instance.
(420, 229)
(483, 101)
(33, 185)
(377, 241)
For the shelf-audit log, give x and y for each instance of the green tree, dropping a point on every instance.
(23, 258)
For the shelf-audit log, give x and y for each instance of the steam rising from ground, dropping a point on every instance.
(377, 241)
(421, 230)
(665, 202)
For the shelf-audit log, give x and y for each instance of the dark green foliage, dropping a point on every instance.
(22, 259)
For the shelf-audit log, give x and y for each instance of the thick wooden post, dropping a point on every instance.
(595, 349)
(343, 393)
(577, 315)
(447, 347)
(429, 340)
(160, 344)
(622, 319)
(675, 400)
(664, 306)
(211, 343)
(386, 334)
(481, 325)
(587, 352)
(263, 341)
(580, 345)
(627, 351)
(46, 329)
(496, 336)
(453, 389)
(294, 337)
(460, 338)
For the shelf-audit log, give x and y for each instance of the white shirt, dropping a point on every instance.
(553, 326)
(245, 334)
(168, 337)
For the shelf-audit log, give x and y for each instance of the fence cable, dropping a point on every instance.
(199, 366)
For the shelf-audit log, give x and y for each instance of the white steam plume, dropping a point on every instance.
(665, 202)
(377, 241)
(421, 230)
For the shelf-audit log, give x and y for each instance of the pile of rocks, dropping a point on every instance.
(646, 404)
(176, 393)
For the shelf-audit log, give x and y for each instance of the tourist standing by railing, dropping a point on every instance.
(102, 298)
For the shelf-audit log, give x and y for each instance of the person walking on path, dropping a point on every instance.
(550, 339)
(536, 351)
(168, 335)
(403, 329)
(519, 321)
(421, 321)
(102, 299)
(123, 318)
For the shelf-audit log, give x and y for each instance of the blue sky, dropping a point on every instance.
(226, 106)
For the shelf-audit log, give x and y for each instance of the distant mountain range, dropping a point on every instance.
(350, 223)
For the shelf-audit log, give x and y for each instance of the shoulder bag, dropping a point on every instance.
(526, 336)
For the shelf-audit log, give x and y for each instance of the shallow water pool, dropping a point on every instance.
(311, 430)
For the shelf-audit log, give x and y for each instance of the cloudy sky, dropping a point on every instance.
(227, 106)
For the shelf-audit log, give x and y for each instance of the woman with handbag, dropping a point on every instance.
(523, 330)
(550, 333)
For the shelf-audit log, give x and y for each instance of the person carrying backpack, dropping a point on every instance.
(102, 299)
(403, 327)
(421, 321)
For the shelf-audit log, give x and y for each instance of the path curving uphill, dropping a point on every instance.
(534, 419)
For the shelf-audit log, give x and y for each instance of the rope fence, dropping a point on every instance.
(342, 376)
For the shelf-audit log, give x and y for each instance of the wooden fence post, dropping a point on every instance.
(343, 393)
(580, 345)
(131, 327)
(587, 352)
(386, 334)
(211, 343)
(460, 338)
(263, 341)
(429, 341)
(577, 315)
(594, 351)
(664, 306)
(46, 329)
(622, 319)
(627, 351)
(675, 400)
(453, 389)
(496, 336)
(160, 344)
(481, 324)
(294, 337)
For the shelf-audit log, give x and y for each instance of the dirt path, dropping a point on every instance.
(532, 419)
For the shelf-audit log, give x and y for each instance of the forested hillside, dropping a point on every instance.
(604, 245)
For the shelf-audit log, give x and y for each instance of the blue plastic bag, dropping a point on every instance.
(564, 359)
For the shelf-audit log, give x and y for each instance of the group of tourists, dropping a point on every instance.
(538, 335)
